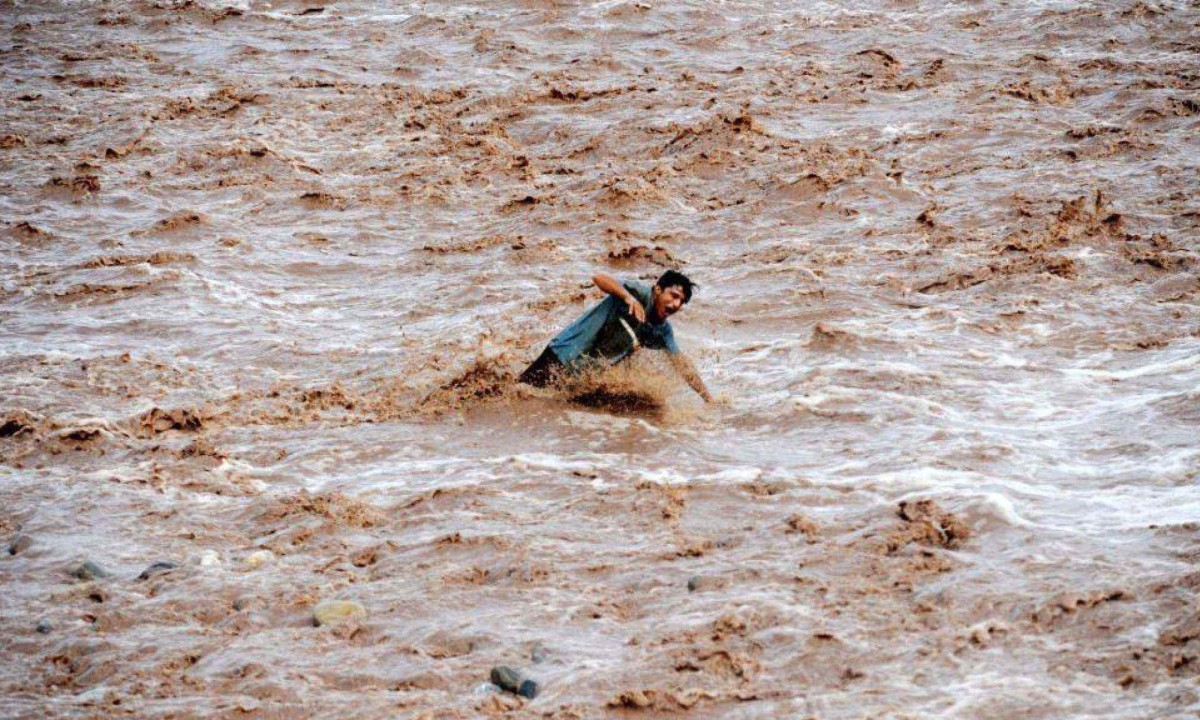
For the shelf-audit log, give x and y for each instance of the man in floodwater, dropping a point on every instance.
(632, 316)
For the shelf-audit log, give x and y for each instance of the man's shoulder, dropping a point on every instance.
(638, 288)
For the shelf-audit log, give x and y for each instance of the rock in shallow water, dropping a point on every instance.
(157, 568)
(44, 627)
(89, 570)
(700, 583)
(335, 611)
(19, 544)
(247, 602)
(513, 681)
(210, 558)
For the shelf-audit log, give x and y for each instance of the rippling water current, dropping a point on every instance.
(269, 270)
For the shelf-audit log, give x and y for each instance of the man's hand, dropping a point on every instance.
(687, 370)
(635, 308)
(612, 286)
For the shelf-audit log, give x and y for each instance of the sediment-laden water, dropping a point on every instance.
(269, 271)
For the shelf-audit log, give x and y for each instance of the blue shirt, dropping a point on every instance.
(603, 334)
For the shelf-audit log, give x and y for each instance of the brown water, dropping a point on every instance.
(269, 269)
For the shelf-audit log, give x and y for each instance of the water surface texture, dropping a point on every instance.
(269, 270)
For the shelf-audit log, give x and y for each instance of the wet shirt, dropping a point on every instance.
(606, 332)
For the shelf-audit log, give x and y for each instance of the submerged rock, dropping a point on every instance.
(158, 568)
(513, 681)
(335, 611)
(19, 544)
(246, 602)
(89, 570)
(700, 583)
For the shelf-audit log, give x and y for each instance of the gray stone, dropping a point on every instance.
(513, 681)
(44, 627)
(700, 583)
(19, 544)
(89, 570)
(157, 568)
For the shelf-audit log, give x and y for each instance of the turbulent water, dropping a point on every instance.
(269, 271)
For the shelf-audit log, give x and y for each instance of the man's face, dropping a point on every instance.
(667, 301)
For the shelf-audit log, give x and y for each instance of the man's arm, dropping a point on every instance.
(687, 371)
(612, 286)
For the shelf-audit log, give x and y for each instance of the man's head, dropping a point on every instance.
(671, 292)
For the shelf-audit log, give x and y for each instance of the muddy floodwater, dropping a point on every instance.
(268, 272)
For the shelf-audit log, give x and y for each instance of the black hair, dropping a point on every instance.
(672, 278)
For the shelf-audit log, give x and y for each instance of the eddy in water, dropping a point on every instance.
(615, 328)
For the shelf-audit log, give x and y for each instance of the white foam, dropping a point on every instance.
(1173, 366)
(732, 475)
(665, 476)
(545, 461)
(1001, 507)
